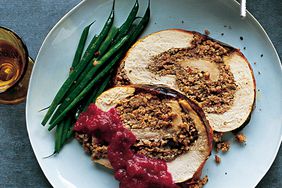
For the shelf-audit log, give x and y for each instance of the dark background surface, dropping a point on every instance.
(32, 20)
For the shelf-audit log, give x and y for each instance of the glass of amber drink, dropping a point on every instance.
(14, 67)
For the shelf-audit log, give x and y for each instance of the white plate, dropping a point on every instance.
(240, 167)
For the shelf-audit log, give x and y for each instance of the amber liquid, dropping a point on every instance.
(10, 65)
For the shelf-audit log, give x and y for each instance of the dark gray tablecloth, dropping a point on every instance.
(32, 20)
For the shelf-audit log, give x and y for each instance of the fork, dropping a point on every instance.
(243, 8)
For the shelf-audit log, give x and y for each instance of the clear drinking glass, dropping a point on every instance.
(15, 67)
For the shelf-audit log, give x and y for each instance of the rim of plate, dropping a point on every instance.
(51, 180)
(279, 61)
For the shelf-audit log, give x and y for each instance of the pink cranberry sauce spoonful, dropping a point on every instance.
(132, 170)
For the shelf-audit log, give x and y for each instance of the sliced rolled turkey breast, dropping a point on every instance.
(167, 126)
(216, 76)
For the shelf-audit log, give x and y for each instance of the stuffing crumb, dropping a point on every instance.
(196, 184)
(223, 146)
(207, 32)
(217, 137)
(217, 159)
(241, 138)
(202, 182)
(220, 145)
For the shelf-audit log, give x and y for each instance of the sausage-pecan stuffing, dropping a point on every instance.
(152, 120)
(240, 138)
(217, 159)
(224, 146)
(215, 96)
(195, 183)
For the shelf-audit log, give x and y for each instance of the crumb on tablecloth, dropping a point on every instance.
(217, 159)
(224, 146)
(240, 138)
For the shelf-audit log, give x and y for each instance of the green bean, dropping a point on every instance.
(87, 78)
(61, 134)
(94, 69)
(137, 31)
(97, 92)
(66, 127)
(91, 98)
(70, 133)
(58, 136)
(91, 73)
(44, 109)
(79, 78)
(141, 26)
(102, 88)
(88, 55)
(123, 30)
(81, 45)
(87, 51)
(104, 46)
(83, 104)
(86, 90)
(89, 101)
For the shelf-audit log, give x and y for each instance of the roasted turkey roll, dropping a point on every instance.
(167, 125)
(216, 76)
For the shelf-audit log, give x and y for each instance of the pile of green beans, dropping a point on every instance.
(91, 71)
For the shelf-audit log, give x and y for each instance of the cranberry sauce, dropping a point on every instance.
(132, 170)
